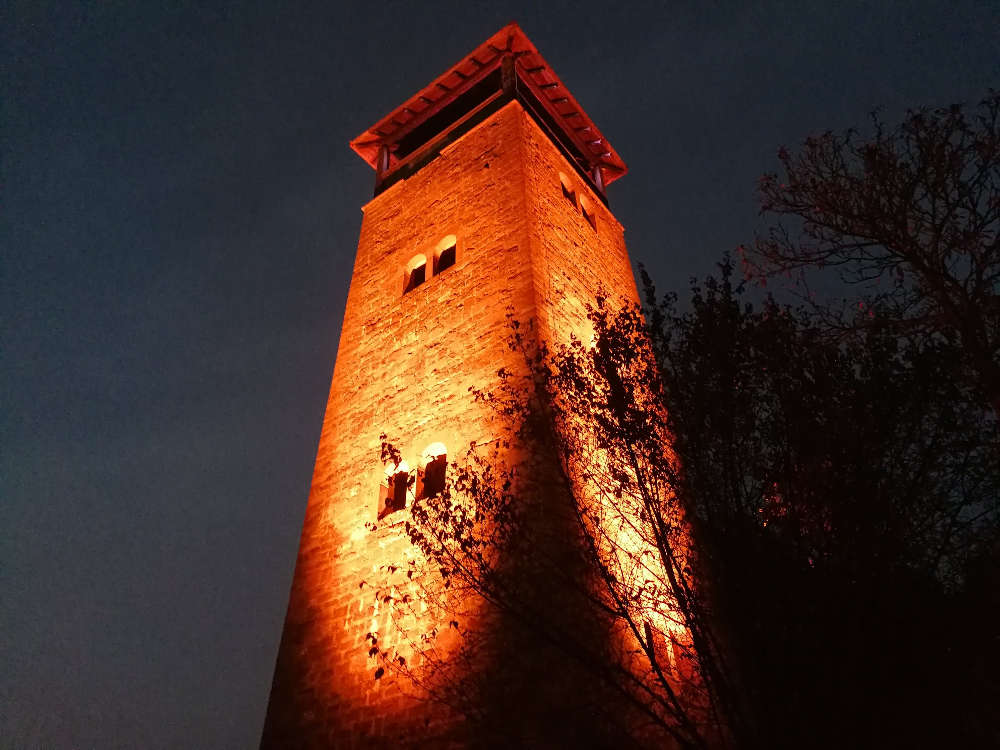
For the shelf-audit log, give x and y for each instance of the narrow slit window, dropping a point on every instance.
(446, 259)
(567, 191)
(588, 214)
(417, 277)
(431, 478)
(434, 474)
(569, 195)
(392, 492)
(416, 273)
(445, 254)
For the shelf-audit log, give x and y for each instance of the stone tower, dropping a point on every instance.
(489, 196)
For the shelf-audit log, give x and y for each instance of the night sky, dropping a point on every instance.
(179, 211)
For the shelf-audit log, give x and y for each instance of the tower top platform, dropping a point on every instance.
(505, 67)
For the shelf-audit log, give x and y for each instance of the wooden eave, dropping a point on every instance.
(531, 70)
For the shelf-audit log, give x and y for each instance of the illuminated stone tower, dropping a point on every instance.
(489, 195)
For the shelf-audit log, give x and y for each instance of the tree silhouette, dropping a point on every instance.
(847, 499)
(912, 213)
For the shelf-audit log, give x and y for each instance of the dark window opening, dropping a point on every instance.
(416, 277)
(432, 477)
(591, 219)
(392, 493)
(445, 259)
(569, 195)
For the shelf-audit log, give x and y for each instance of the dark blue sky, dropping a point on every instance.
(178, 217)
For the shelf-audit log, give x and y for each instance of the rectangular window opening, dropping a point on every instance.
(416, 278)
(433, 477)
(392, 493)
(569, 195)
(446, 259)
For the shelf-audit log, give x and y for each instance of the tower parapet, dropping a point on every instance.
(504, 68)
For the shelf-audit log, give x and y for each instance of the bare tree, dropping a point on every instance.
(912, 213)
(845, 495)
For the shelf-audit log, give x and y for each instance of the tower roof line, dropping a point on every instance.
(473, 82)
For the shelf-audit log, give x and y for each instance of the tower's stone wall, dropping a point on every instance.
(404, 367)
(571, 259)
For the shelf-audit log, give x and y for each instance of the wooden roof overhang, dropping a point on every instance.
(505, 67)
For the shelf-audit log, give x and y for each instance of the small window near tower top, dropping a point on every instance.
(588, 212)
(416, 273)
(445, 254)
(567, 191)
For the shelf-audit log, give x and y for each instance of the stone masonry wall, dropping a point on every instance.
(404, 367)
(571, 259)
